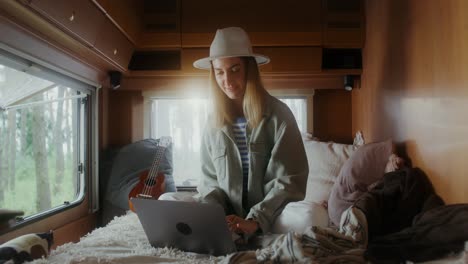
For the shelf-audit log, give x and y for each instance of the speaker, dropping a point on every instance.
(348, 82)
(115, 78)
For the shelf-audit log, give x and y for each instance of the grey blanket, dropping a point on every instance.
(407, 220)
(317, 245)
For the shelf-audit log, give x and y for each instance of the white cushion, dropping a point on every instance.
(325, 161)
(299, 216)
(178, 196)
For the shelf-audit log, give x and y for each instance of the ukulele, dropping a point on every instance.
(151, 183)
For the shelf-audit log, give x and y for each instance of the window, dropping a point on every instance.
(42, 140)
(184, 121)
(298, 106)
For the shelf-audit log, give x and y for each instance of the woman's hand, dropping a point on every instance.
(241, 226)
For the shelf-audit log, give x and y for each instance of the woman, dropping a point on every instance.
(253, 158)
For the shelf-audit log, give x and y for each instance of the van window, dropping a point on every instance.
(184, 120)
(42, 139)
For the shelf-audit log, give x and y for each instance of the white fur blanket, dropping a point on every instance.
(124, 241)
(121, 241)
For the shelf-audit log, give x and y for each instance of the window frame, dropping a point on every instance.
(308, 94)
(195, 91)
(88, 200)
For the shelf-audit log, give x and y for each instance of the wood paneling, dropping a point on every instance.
(127, 15)
(18, 35)
(414, 86)
(158, 40)
(343, 23)
(54, 222)
(114, 45)
(298, 60)
(104, 116)
(125, 117)
(268, 22)
(29, 32)
(180, 83)
(291, 59)
(73, 231)
(332, 116)
(77, 17)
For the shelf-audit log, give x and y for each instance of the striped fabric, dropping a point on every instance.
(240, 136)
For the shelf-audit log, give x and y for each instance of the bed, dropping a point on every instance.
(123, 241)
(303, 233)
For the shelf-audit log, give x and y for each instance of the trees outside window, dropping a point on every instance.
(39, 146)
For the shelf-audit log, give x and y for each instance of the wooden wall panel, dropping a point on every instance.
(73, 231)
(56, 222)
(291, 59)
(332, 115)
(343, 23)
(43, 47)
(103, 117)
(126, 14)
(414, 86)
(268, 22)
(125, 117)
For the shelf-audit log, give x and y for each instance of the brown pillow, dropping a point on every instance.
(365, 166)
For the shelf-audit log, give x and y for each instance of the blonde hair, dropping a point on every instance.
(253, 103)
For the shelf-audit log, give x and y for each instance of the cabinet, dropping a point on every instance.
(83, 20)
(80, 18)
(269, 23)
(113, 44)
(343, 23)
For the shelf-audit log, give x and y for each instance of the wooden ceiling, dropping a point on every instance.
(166, 24)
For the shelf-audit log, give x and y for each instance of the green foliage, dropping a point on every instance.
(24, 195)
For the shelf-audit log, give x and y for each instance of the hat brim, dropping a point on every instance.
(205, 63)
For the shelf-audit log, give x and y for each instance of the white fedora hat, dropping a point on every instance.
(230, 42)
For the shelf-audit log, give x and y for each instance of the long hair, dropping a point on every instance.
(253, 103)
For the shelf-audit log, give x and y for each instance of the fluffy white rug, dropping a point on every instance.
(121, 241)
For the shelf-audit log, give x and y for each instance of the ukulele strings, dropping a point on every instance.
(149, 182)
(153, 171)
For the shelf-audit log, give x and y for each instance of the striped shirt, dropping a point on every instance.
(240, 137)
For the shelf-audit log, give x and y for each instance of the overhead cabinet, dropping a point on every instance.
(113, 44)
(83, 20)
(80, 18)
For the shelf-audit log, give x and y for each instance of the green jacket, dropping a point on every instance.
(278, 166)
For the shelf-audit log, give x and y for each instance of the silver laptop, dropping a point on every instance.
(188, 226)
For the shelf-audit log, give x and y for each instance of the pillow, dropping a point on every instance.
(129, 162)
(325, 161)
(363, 168)
(299, 216)
(26, 248)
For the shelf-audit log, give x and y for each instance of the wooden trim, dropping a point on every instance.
(286, 81)
(153, 40)
(50, 223)
(73, 231)
(266, 39)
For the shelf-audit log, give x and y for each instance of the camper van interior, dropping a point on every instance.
(92, 90)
